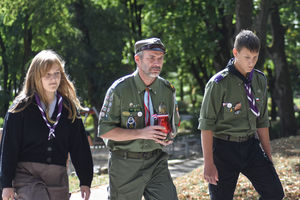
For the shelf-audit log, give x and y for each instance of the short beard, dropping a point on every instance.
(153, 75)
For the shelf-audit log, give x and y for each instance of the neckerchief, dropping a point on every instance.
(148, 108)
(247, 85)
(52, 128)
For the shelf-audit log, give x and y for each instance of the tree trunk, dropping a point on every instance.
(243, 10)
(261, 31)
(6, 87)
(224, 53)
(271, 83)
(283, 91)
(226, 29)
(196, 74)
(181, 92)
(27, 49)
(134, 13)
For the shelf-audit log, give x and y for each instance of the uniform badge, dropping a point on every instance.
(139, 114)
(102, 114)
(162, 108)
(237, 108)
(131, 123)
(237, 112)
(228, 105)
(126, 113)
(111, 97)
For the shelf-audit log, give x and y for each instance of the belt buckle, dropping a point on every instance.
(243, 138)
(144, 155)
(240, 138)
(147, 155)
(228, 137)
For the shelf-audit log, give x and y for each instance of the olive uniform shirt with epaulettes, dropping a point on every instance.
(124, 101)
(225, 108)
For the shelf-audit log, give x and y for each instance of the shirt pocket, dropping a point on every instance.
(132, 118)
(233, 109)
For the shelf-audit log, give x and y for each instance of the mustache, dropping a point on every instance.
(156, 68)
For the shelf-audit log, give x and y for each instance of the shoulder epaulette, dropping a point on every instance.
(220, 75)
(260, 72)
(120, 80)
(167, 83)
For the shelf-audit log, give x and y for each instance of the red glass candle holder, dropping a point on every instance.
(163, 120)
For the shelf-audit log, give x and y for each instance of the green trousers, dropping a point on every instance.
(130, 179)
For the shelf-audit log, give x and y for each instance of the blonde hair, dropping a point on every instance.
(38, 68)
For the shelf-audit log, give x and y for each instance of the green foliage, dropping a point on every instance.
(1, 122)
(26, 28)
(96, 62)
(96, 39)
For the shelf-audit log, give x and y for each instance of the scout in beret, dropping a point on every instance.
(137, 165)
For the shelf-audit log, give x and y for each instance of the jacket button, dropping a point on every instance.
(49, 149)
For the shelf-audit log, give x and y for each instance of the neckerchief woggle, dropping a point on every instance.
(51, 128)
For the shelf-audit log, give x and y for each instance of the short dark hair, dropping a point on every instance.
(247, 39)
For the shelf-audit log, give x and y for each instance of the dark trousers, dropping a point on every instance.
(233, 158)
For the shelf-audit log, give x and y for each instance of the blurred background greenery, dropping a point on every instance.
(96, 38)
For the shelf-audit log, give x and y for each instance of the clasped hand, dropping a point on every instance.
(8, 194)
(155, 133)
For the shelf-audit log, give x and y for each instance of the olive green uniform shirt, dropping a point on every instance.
(225, 108)
(124, 107)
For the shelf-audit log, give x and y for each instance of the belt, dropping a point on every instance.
(234, 138)
(137, 155)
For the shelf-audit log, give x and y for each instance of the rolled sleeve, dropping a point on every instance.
(211, 106)
(206, 124)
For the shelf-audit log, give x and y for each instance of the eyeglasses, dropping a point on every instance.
(55, 75)
(155, 47)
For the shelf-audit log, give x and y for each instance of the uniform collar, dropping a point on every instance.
(141, 85)
(233, 70)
